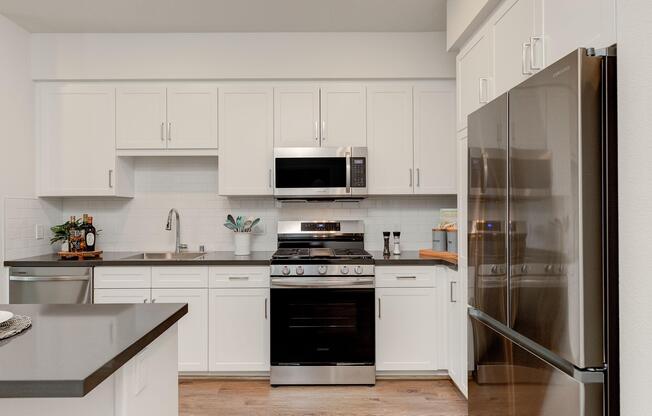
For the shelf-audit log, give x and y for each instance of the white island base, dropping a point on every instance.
(146, 385)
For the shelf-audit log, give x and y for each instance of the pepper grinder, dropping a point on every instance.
(386, 252)
(397, 243)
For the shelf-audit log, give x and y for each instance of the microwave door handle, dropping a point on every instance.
(485, 173)
(348, 172)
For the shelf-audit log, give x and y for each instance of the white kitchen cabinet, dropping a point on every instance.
(390, 140)
(406, 333)
(518, 42)
(141, 115)
(121, 296)
(122, 277)
(296, 116)
(180, 277)
(343, 116)
(192, 116)
(179, 116)
(239, 277)
(76, 142)
(434, 139)
(462, 193)
(246, 140)
(474, 75)
(193, 327)
(456, 326)
(569, 25)
(239, 330)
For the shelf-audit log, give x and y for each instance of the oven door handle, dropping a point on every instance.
(339, 284)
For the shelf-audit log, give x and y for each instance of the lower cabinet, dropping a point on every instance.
(193, 328)
(121, 296)
(239, 329)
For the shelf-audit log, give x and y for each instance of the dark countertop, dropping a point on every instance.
(408, 258)
(214, 258)
(70, 349)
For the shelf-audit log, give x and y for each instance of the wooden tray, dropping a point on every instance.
(80, 255)
(442, 255)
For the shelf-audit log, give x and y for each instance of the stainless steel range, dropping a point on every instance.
(322, 305)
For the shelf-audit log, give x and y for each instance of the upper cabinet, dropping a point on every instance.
(518, 42)
(76, 142)
(246, 140)
(296, 117)
(474, 75)
(343, 116)
(435, 145)
(181, 116)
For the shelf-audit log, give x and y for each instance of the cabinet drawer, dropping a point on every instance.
(122, 277)
(239, 277)
(180, 277)
(121, 296)
(416, 276)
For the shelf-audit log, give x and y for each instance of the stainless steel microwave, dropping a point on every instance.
(320, 172)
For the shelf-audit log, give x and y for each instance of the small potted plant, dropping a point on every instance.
(61, 233)
(242, 228)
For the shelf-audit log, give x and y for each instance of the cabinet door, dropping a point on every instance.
(434, 139)
(140, 117)
(239, 330)
(296, 117)
(406, 334)
(462, 194)
(192, 116)
(389, 124)
(454, 327)
(246, 140)
(474, 75)
(513, 28)
(76, 140)
(343, 116)
(122, 277)
(121, 295)
(193, 328)
(569, 25)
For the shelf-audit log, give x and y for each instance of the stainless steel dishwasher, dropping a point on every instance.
(50, 285)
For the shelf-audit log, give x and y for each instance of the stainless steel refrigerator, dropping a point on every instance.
(542, 236)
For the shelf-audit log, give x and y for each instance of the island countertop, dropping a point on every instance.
(71, 349)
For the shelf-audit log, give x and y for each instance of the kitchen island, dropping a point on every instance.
(92, 360)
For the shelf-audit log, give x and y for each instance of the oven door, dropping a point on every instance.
(320, 172)
(322, 326)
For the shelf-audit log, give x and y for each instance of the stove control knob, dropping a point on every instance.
(286, 270)
(358, 270)
(322, 269)
(299, 270)
(344, 270)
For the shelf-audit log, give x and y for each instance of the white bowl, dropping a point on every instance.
(5, 316)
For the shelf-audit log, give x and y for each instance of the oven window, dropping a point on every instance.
(311, 172)
(322, 326)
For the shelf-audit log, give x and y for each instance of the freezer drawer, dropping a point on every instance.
(509, 380)
(50, 285)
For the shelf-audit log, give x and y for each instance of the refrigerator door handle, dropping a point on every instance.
(582, 375)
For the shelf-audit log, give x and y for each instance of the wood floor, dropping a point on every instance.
(256, 398)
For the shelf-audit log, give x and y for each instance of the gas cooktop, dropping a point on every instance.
(320, 253)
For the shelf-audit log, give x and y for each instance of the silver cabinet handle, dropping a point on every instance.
(406, 277)
(317, 131)
(379, 308)
(238, 277)
(482, 87)
(144, 300)
(524, 49)
(169, 131)
(452, 299)
(323, 130)
(533, 42)
(270, 178)
(110, 178)
(410, 177)
(265, 308)
(163, 131)
(153, 300)
(418, 177)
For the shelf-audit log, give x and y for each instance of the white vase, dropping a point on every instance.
(242, 244)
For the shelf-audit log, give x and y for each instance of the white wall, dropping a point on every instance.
(241, 56)
(635, 204)
(190, 185)
(16, 119)
(462, 18)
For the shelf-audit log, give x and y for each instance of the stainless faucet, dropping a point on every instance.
(177, 245)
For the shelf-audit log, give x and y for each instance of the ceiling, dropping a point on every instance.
(152, 16)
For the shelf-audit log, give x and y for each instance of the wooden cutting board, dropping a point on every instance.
(80, 255)
(442, 255)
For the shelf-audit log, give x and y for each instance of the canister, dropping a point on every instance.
(438, 240)
(451, 241)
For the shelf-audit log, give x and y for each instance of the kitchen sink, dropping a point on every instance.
(165, 256)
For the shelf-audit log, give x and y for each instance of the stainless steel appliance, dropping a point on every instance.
(50, 285)
(543, 244)
(322, 305)
(320, 172)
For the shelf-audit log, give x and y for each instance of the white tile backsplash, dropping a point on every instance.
(189, 184)
(22, 215)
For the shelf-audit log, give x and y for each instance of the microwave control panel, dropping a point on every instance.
(358, 172)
